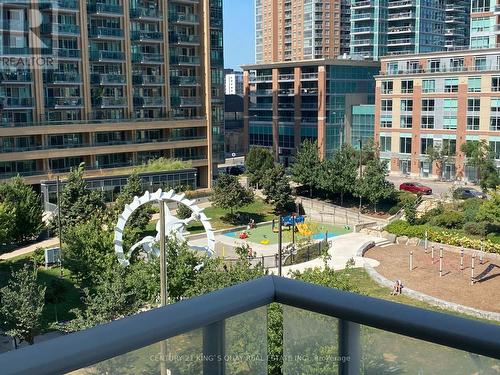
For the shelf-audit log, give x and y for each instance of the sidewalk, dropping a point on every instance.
(52, 242)
(341, 250)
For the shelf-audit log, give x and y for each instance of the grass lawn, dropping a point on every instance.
(71, 296)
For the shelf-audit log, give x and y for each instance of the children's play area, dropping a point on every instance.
(293, 227)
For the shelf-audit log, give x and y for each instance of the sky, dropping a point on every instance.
(239, 33)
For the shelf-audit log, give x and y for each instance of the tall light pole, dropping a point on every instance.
(163, 284)
(59, 225)
(360, 173)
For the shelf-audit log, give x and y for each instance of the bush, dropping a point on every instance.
(470, 208)
(38, 256)
(432, 213)
(394, 210)
(476, 229)
(450, 236)
(494, 238)
(183, 211)
(449, 220)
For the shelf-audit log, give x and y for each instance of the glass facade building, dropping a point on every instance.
(286, 103)
(363, 124)
(126, 84)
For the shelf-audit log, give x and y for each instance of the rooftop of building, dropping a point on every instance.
(315, 62)
(457, 52)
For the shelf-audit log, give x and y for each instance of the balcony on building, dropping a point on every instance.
(183, 18)
(15, 76)
(185, 81)
(63, 78)
(63, 102)
(181, 39)
(184, 60)
(146, 36)
(146, 14)
(108, 79)
(145, 101)
(67, 54)
(103, 56)
(401, 4)
(360, 4)
(109, 102)
(151, 58)
(106, 33)
(148, 80)
(60, 5)
(60, 29)
(105, 9)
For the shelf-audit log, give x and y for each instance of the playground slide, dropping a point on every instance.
(304, 230)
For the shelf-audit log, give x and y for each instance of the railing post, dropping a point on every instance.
(349, 348)
(214, 349)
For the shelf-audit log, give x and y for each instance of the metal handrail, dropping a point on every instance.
(85, 348)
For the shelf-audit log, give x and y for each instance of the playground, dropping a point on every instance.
(304, 229)
(454, 284)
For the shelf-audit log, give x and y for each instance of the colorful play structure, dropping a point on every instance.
(296, 222)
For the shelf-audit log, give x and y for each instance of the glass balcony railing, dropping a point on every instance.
(105, 32)
(312, 329)
(111, 9)
(66, 102)
(62, 77)
(140, 12)
(138, 57)
(59, 4)
(15, 76)
(184, 39)
(184, 81)
(11, 102)
(106, 55)
(148, 80)
(183, 18)
(60, 28)
(184, 60)
(109, 102)
(146, 35)
(148, 102)
(67, 53)
(107, 79)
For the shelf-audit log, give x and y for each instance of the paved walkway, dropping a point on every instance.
(342, 249)
(31, 248)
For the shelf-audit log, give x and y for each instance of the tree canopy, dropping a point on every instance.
(277, 189)
(21, 305)
(373, 186)
(489, 211)
(228, 193)
(258, 161)
(23, 211)
(305, 170)
(440, 155)
(479, 155)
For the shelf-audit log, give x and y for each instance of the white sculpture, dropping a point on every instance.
(173, 226)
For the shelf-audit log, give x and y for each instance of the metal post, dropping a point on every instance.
(59, 225)
(411, 260)
(213, 349)
(432, 253)
(360, 174)
(280, 245)
(349, 348)
(163, 284)
(425, 242)
(462, 259)
(441, 261)
(481, 255)
(472, 269)
(293, 229)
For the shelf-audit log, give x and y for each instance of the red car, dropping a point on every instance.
(416, 188)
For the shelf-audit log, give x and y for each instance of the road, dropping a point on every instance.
(438, 188)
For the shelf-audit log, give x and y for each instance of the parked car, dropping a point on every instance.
(466, 193)
(416, 188)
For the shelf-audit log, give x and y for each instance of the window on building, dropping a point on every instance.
(392, 68)
(495, 149)
(427, 122)
(480, 6)
(406, 87)
(472, 122)
(434, 65)
(406, 105)
(387, 87)
(495, 114)
(450, 123)
(451, 146)
(495, 84)
(425, 144)
(451, 85)
(474, 84)
(428, 85)
(405, 145)
(428, 105)
(473, 104)
(406, 121)
(457, 64)
(386, 122)
(385, 144)
(495, 123)
(480, 63)
(386, 105)
(450, 105)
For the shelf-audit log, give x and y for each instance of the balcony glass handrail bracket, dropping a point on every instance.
(210, 312)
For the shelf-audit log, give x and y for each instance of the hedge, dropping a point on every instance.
(444, 236)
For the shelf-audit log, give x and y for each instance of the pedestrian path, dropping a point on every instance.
(51, 242)
(342, 249)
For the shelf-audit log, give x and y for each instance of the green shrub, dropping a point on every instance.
(183, 211)
(476, 229)
(445, 236)
(494, 238)
(433, 212)
(470, 208)
(38, 256)
(394, 210)
(448, 220)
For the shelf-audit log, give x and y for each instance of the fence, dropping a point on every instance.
(332, 214)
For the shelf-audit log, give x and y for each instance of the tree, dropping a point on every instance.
(25, 208)
(21, 305)
(373, 186)
(88, 251)
(306, 168)
(277, 189)
(78, 203)
(111, 300)
(228, 193)
(7, 222)
(441, 155)
(258, 161)
(55, 293)
(479, 155)
(141, 217)
(490, 210)
(338, 175)
(183, 211)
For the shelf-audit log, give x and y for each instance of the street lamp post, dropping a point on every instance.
(163, 283)
(360, 174)
(59, 225)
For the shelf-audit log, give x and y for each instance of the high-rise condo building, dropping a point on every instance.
(439, 100)
(484, 23)
(289, 30)
(234, 82)
(393, 27)
(122, 82)
(286, 103)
